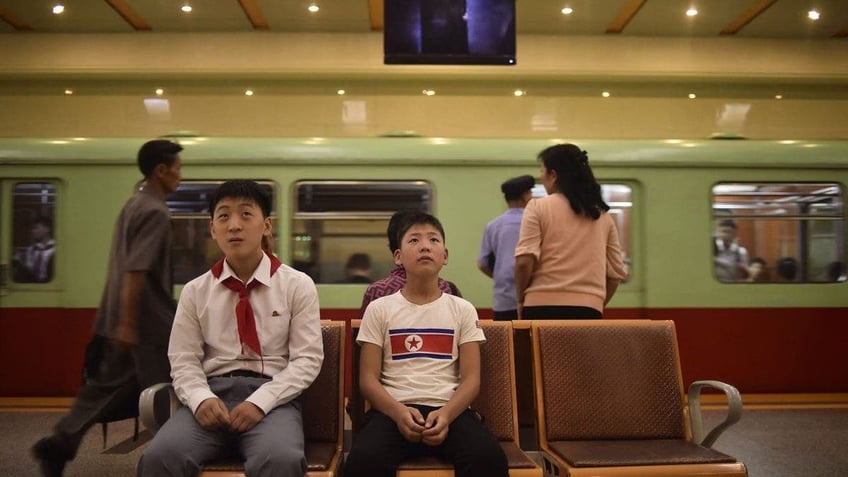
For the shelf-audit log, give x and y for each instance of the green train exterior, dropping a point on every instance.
(763, 338)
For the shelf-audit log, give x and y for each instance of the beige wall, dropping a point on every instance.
(452, 116)
(295, 78)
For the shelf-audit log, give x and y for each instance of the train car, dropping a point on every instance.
(780, 330)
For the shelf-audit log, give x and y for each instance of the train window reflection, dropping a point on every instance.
(194, 251)
(619, 197)
(778, 232)
(337, 222)
(33, 243)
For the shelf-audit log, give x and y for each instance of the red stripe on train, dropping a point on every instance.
(759, 350)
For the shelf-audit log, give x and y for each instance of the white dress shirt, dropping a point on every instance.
(205, 341)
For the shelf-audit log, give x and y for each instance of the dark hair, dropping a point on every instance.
(417, 218)
(727, 223)
(392, 228)
(358, 261)
(574, 179)
(155, 152)
(241, 188)
(787, 267)
(43, 220)
(515, 188)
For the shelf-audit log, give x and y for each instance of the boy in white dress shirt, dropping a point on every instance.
(246, 342)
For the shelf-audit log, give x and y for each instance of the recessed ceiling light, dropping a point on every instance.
(778, 96)
(69, 92)
(58, 8)
(248, 92)
(519, 92)
(428, 92)
(567, 11)
(605, 94)
(341, 92)
(692, 96)
(813, 15)
(313, 8)
(691, 12)
(186, 8)
(160, 91)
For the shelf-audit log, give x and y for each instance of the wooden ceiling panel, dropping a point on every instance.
(89, 16)
(126, 12)
(625, 16)
(746, 17)
(671, 14)
(254, 14)
(9, 22)
(590, 17)
(334, 16)
(788, 19)
(663, 18)
(206, 16)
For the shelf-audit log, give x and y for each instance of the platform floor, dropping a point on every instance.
(772, 443)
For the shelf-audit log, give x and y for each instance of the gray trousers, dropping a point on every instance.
(274, 447)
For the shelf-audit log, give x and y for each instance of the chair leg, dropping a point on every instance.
(135, 430)
(103, 431)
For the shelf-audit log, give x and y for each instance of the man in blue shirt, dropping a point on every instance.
(497, 250)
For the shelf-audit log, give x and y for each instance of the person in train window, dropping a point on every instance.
(358, 269)
(568, 260)
(834, 271)
(730, 258)
(128, 349)
(397, 278)
(420, 369)
(35, 264)
(246, 343)
(787, 269)
(757, 272)
(497, 249)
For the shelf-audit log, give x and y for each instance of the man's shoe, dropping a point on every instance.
(50, 456)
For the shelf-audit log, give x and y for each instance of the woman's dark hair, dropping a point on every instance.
(574, 178)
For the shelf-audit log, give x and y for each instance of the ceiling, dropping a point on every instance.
(785, 19)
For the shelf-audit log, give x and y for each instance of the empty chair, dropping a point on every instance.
(322, 410)
(610, 402)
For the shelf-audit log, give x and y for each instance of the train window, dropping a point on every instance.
(194, 251)
(340, 225)
(779, 232)
(619, 197)
(33, 244)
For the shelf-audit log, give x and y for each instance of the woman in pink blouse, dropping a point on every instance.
(568, 260)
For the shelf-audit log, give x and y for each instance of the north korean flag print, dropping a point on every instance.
(434, 343)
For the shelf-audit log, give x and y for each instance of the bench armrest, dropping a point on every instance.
(734, 411)
(158, 393)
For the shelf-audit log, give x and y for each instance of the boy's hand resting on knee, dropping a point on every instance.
(212, 414)
(410, 423)
(244, 416)
(436, 428)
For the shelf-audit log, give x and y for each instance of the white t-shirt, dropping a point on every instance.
(420, 345)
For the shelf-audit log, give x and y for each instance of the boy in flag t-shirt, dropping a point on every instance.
(246, 342)
(420, 369)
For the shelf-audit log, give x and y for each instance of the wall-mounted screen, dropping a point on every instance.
(449, 32)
